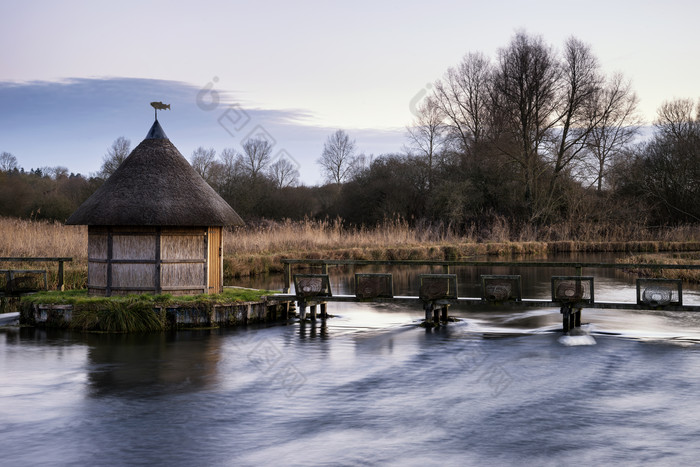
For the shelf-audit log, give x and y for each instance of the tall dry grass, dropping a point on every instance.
(258, 248)
(685, 258)
(311, 235)
(38, 238)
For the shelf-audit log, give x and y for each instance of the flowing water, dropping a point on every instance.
(368, 386)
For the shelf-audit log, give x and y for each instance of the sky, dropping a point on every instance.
(75, 75)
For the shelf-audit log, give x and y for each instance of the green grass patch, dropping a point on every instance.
(126, 316)
(81, 298)
(229, 295)
(133, 313)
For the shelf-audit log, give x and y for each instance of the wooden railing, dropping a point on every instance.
(59, 260)
(446, 265)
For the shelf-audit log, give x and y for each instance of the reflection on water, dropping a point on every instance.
(314, 329)
(127, 363)
(368, 386)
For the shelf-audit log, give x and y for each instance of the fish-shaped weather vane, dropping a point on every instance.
(159, 106)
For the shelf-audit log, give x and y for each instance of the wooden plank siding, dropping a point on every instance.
(183, 260)
(129, 259)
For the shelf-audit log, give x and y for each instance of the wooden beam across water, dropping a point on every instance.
(537, 264)
(478, 302)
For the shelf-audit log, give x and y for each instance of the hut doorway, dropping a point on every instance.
(215, 247)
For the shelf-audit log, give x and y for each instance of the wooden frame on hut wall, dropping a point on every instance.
(132, 259)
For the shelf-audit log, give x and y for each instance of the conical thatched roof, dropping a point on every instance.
(155, 186)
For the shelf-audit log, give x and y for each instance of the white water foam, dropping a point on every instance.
(571, 341)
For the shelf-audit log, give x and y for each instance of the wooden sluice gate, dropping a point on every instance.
(437, 292)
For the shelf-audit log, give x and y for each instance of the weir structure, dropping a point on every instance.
(569, 293)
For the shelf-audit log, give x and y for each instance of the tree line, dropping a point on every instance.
(534, 136)
(42, 193)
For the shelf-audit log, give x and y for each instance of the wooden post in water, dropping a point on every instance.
(428, 312)
(60, 276)
(287, 277)
(445, 270)
(324, 313)
(577, 318)
(566, 318)
(313, 312)
(436, 316)
(302, 310)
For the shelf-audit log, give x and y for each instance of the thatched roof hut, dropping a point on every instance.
(155, 225)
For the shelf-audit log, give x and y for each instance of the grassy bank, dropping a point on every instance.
(678, 258)
(238, 265)
(132, 313)
(251, 251)
(258, 248)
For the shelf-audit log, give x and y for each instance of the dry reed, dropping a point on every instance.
(256, 249)
(35, 238)
(686, 258)
(308, 235)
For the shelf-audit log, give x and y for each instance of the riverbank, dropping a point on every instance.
(242, 265)
(258, 248)
(676, 258)
(144, 313)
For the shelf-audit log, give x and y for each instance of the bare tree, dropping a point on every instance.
(231, 165)
(673, 159)
(203, 161)
(57, 172)
(338, 157)
(462, 96)
(581, 83)
(116, 154)
(552, 111)
(8, 162)
(360, 163)
(427, 135)
(284, 173)
(675, 119)
(614, 124)
(257, 153)
(525, 98)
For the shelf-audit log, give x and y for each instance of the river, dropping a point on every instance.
(368, 386)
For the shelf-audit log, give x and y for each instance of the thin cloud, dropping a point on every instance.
(72, 122)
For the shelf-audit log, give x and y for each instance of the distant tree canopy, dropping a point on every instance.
(665, 171)
(48, 193)
(533, 116)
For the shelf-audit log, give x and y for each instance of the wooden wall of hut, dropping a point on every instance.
(174, 260)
